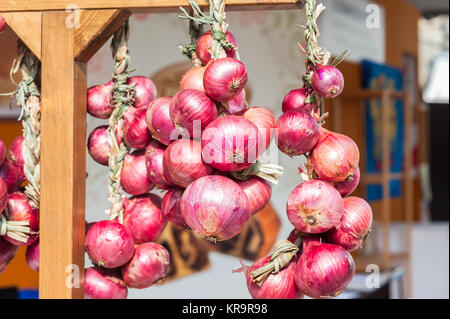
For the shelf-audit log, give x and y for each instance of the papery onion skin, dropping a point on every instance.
(2, 151)
(12, 175)
(335, 157)
(183, 163)
(109, 244)
(231, 143)
(15, 151)
(158, 120)
(32, 256)
(145, 91)
(149, 264)
(99, 100)
(154, 154)
(100, 283)
(2, 24)
(7, 253)
(205, 46)
(356, 223)
(193, 79)
(264, 121)
(327, 81)
(297, 133)
(188, 106)
(98, 145)
(215, 207)
(237, 104)
(258, 192)
(224, 79)
(134, 178)
(3, 195)
(18, 208)
(324, 270)
(306, 239)
(170, 206)
(143, 217)
(315, 207)
(295, 101)
(347, 187)
(277, 286)
(135, 131)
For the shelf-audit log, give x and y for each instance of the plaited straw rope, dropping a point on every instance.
(269, 172)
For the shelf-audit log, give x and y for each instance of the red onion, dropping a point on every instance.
(324, 270)
(15, 151)
(143, 217)
(149, 264)
(100, 283)
(258, 192)
(98, 145)
(2, 151)
(170, 206)
(99, 100)
(2, 23)
(145, 91)
(32, 256)
(315, 207)
(237, 104)
(188, 106)
(327, 81)
(335, 157)
(183, 164)
(135, 179)
(264, 121)
(224, 79)
(297, 133)
(12, 175)
(306, 239)
(355, 226)
(231, 143)
(295, 101)
(109, 244)
(3, 195)
(215, 207)
(347, 187)
(18, 208)
(158, 120)
(154, 155)
(205, 46)
(193, 79)
(277, 286)
(7, 253)
(135, 131)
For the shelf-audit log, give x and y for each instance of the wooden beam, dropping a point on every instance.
(63, 162)
(143, 5)
(27, 26)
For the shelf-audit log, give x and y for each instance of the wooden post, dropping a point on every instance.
(386, 180)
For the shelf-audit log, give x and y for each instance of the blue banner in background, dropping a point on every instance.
(377, 77)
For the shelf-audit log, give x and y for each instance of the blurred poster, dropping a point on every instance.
(377, 77)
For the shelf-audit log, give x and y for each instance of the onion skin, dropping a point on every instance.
(2, 24)
(348, 186)
(295, 101)
(224, 79)
(3, 195)
(193, 79)
(143, 217)
(2, 151)
(7, 253)
(12, 175)
(135, 179)
(99, 100)
(327, 81)
(158, 120)
(215, 207)
(324, 270)
(335, 157)
(297, 133)
(205, 46)
(109, 244)
(277, 286)
(258, 192)
(183, 164)
(135, 131)
(237, 104)
(231, 143)
(191, 105)
(32, 256)
(98, 145)
(355, 226)
(145, 91)
(154, 155)
(103, 283)
(170, 206)
(149, 264)
(315, 207)
(15, 151)
(264, 121)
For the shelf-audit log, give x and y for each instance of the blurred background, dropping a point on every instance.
(399, 46)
